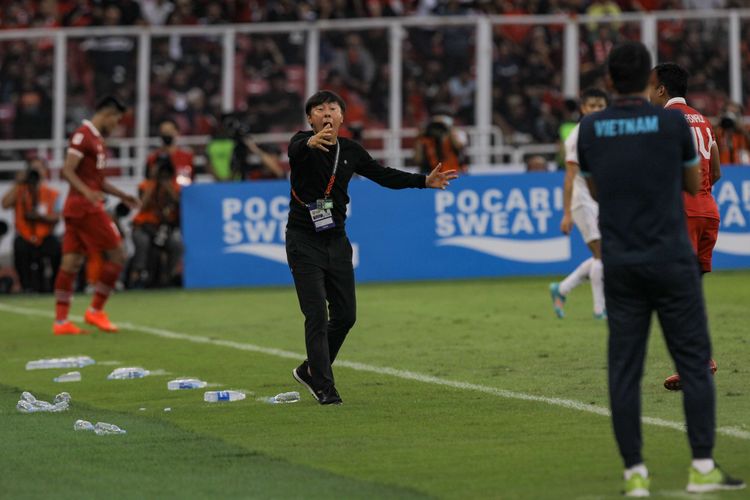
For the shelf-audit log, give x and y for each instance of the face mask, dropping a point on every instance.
(167, 140)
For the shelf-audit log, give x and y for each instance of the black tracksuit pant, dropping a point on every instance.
(675, 292)
(29, 261)
(321, 265)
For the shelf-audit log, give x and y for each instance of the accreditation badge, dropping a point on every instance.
(321, 217)
(324, 204)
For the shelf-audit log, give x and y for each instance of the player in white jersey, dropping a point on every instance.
(580, 208)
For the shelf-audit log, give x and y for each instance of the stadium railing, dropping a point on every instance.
(488, 146)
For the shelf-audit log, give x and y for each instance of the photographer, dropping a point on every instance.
(36, 251)
(732, 140)
(182, 160)
(156, 232)
(440, 143)
(235, 156)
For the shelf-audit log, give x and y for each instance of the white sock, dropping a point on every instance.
(636, 469)
(704, 465)
(597, 285)
(577, 277)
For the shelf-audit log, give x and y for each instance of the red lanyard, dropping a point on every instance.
(329, 188)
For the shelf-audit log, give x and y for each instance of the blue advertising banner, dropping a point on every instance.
(732, 194)
(483, 226)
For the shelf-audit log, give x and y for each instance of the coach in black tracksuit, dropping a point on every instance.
(637, 159)
(318, 251)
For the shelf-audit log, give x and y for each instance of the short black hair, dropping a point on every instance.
(629, 66)
(323, 97)
(594, 93)
(674, 78)
(110, 102)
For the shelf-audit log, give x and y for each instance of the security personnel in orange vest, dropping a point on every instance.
(440, 143)
(36, 250)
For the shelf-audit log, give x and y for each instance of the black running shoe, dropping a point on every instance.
(329, 397)
(302, 376)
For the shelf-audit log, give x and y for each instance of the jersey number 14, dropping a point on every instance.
(702, 145)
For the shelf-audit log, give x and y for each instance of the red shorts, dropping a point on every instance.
(703, 232)
(93, 232)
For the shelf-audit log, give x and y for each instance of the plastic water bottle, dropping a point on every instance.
(30, 404)
(28, 397)
(25, 407)
(68, 377)
(70, 362)
(61, 406)
(43, 405)
(128, 373)
(63, 396)
(185, 383)
(102, 428)
(84, 361)
(216, 396)
(284, 397)
(83, 425)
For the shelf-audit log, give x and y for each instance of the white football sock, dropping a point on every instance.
(597, 285)
(577, 277)
(704, 465)
(636, 469)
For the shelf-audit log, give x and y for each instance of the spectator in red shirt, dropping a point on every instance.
(182, 159)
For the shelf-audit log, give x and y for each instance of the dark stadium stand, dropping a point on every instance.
(528, 103)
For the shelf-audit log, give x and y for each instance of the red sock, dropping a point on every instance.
(63, 294)
(107, 279)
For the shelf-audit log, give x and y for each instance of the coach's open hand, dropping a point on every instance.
(438, 179)
(322, 139)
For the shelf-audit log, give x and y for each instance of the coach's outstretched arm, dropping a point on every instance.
(397, 179)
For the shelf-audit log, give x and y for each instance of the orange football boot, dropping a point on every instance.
(100, 320)
(673, 383)
(67, 328)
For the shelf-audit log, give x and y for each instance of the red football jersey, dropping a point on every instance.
(88, 144)
(703, 203)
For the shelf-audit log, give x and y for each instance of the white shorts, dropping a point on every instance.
(586, 219)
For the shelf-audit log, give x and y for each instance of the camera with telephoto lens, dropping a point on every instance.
(436, 129)
(728, 120)
(164, 167)
(32, 176)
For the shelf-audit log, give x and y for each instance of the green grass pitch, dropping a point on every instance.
(398, 434)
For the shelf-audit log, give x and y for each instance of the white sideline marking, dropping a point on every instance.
(402, 374)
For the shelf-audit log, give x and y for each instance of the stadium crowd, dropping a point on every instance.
(186, 71)
(438, 85)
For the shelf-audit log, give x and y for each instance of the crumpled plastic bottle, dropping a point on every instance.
(83, 425)
(103, 428)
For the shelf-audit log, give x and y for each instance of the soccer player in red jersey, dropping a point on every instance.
(87, 226)
(668, 87)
